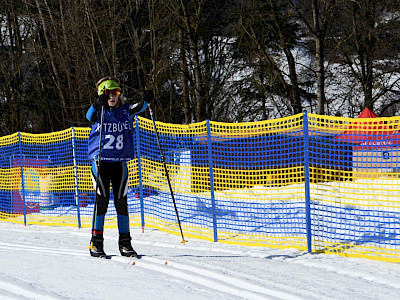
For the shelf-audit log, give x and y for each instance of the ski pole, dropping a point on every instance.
(98, 176)
(166, 172)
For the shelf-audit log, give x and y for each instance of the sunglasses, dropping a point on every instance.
(112, 92)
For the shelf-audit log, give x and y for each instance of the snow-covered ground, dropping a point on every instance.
(42, 262)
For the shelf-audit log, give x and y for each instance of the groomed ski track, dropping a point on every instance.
(202, 269)
(226, 284)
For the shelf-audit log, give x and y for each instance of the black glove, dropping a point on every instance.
(148, 96)
(102, 100)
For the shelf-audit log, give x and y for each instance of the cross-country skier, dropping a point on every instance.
(116, 149)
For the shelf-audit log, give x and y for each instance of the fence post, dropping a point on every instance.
(139, 171)
(210, 166)
(307, 180)
(22, 174)
(76, 176)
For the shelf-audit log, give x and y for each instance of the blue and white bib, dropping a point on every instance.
(117, 136)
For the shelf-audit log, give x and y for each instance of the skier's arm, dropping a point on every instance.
(102, 100)
(91, 113)
(137, 108)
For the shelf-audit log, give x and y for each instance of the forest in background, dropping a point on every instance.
(222, 60)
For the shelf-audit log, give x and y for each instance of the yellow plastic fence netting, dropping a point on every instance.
(310, 182)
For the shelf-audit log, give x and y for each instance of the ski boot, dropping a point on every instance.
(97, 249)
(125, 246)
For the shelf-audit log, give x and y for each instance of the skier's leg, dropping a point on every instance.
(120, 190)
(103, 197)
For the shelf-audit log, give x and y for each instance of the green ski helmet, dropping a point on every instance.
(107, 85)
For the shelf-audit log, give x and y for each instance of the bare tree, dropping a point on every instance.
(368, 49)
(317, 20)
(271, 33)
